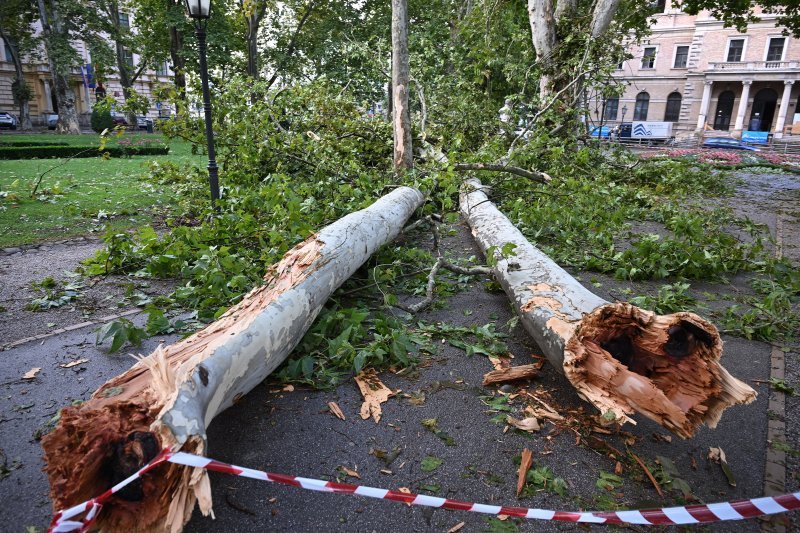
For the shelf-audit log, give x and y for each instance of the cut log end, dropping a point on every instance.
(624, 359)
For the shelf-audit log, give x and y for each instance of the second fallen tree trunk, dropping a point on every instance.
(169, 398)
(620, 358)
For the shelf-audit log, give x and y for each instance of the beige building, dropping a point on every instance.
(37, 75)
(701, 76)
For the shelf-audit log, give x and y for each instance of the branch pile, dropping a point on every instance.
(169, 398)
(618, 357)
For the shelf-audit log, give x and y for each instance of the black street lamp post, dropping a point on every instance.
(200, 11)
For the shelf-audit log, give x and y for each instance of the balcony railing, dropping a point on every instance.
(754, 65)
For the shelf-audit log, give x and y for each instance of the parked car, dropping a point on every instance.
(7, 120)
(142, 122)
(727, 142)
(119, 119)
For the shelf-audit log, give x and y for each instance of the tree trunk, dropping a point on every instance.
(401, 118)
(178, 63)
(65, 96)
(19, 87)
(543, 33)
(169, 398)
(618, 357)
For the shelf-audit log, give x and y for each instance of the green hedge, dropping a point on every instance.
(46, 152)
(32, 142)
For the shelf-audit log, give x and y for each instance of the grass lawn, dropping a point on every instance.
(83, 196)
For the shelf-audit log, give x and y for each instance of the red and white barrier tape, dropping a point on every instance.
(691, 514)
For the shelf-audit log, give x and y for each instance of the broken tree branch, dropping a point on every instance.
(168, 398)
(618, 357)
(534, 175)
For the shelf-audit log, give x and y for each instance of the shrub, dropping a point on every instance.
(101, 119)
(46, 152)
(32, 143)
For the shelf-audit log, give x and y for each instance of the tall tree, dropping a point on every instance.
(253, 12)
(16, 30)
(401, 118)
(64, 23)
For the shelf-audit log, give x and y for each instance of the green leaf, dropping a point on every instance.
(430, 463)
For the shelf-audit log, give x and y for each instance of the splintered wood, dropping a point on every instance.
(513, 373)
(168, 398)
(620, 358)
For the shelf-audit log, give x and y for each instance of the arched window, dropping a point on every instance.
(642, 103)
(673, 110)
(612, 104)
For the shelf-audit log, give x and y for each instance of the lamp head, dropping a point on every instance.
(198, 9)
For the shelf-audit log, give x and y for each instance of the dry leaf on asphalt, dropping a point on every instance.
(30, 374)
(374, 393)
(74, 363)
(456, 527)
(718, 456)
(526, 424)
(524, 465)
(288, 388)
(405, 490)
(351, 473)
(618, 469)
(333, 407)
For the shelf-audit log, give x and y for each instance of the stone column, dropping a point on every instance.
(739, 126)
(701, 118)
(782, 110)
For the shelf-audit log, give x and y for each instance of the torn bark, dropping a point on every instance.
(618, 357)
(169, 398)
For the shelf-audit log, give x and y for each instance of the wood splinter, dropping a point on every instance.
(169, 398)
(620, 358)
(513, 373)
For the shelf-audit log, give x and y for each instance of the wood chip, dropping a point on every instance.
(74, 363)
(350, 473)
(524, 465)
(718, 456)
(618, 469)
(513, 373)
(456, 527)
(374, 393)
(387, 472)
(526, 424)
(30, 374)
(288, 388)
(333, 407)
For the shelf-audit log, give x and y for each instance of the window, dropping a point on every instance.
(735, 50)
(649, 57)
(681, 56)
(642, 103)
(124, 20)
(612, 104)
(775, 49)
(127, 57)
(162, 69)
(660, 6)
(7, 54)
(673, 110)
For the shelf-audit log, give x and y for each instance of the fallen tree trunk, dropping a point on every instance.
(618, 357)
(168, 398)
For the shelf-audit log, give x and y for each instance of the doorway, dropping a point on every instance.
(763, 111)
(722, 118)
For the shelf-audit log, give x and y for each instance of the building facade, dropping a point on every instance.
(701, 76)
(86, 87)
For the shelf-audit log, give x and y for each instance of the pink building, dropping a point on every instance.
(702, 76)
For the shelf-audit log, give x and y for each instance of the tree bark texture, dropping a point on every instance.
(617, 356)
(543, 32)
(169, 398)
(401, 118)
